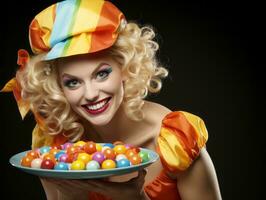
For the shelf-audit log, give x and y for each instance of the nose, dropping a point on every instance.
(91, 92)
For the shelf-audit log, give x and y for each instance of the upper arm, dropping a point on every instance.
(199, 181)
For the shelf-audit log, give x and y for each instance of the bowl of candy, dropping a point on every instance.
(84, 160)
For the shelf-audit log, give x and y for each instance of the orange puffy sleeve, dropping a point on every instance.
(181, 137)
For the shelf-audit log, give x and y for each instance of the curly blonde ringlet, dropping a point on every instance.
(136, 49)
(40, 87)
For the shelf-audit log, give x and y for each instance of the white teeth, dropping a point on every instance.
(97, 106)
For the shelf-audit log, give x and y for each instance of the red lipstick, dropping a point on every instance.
(98, 107)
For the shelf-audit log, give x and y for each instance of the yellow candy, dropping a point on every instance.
(99, 147)
(79, 143)
(77, 165)
(120, 149)
(108, 164)
(84, 157)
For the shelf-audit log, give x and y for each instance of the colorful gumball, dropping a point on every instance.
(66, 145)
(109, 154)
(79, 143)
(123, 163)
(110, 145)
(61, 166)
(26, 161)
(44, 149)
(92, 165)
(98, 147)
(120, 156)
(99, 157)
(77, 165)
(47, 164)
(135, 160)
(144, 156)
(90, 147)
(120, 149)
(33, 153)
(108, 164)
(84, 157)
(36, 163)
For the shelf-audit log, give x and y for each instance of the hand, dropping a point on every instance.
(73, 189)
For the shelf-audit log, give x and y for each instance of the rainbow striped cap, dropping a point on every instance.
(73, 27)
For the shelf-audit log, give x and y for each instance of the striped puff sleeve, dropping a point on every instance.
(181, 137)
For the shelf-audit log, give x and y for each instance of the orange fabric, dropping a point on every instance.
(97, 196)
(14, 86)
(102, 38)
(162, 187)
(181, 137)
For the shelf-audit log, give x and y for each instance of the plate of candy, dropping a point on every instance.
(84, 160)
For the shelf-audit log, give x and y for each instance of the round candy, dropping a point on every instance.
(135, 160)
(44, 149)
(84, 157)
(65, 158)
(90, 147)
(144, 156)
(98, 147)
(123, 163)
(99, 157)
(108, 164)
(77, 165)
(109, 154)
(130, 152)
(58, 154)
(26, 161)
(120, 156)
(120, 149)
(109, 145)
(79, 143)
(66, 145)
(33, 153)
(47, 164)
(61, 166)
(92, 165)
(36, 163)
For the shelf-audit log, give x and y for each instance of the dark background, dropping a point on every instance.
(214, 53)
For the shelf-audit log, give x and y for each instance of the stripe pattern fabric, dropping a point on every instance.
(73, 27)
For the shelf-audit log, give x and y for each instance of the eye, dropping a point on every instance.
(71, 83)
(103, 74)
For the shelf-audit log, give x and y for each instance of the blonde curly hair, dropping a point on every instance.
(135, 50)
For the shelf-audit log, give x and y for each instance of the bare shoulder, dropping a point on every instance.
(155, 111)
(200, 178)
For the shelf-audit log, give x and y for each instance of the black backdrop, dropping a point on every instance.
(214, 54)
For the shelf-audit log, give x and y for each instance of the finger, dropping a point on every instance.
(140, 178)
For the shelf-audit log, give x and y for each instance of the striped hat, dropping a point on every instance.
(73, 27)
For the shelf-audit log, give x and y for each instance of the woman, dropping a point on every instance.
(88, 80)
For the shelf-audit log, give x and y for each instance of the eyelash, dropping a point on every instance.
(106, 72)
(69, 82)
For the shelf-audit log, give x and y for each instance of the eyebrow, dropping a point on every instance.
(93, 72)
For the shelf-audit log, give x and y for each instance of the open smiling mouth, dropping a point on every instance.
(97, 107)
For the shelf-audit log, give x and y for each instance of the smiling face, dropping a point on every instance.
(93, 86)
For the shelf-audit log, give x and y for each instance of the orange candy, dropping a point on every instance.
(26, 161)
(135, 160)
